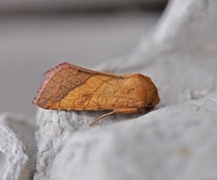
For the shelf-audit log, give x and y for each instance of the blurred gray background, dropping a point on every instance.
(36, 36)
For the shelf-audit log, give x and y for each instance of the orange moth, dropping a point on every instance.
(69, 87)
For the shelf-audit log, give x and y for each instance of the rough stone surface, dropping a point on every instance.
(53, 125)
(17, 147)
(180, 54)
(181, 145)
(174, 142)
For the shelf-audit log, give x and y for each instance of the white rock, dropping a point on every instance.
(18, 148)
(176, 141)
(180, 54)
(53, 125)
(187, 27)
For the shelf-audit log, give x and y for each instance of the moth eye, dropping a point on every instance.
(149, 105)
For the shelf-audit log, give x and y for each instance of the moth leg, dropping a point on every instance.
(104, 115)
(123, 110)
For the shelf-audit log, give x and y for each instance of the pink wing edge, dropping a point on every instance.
(48, 75)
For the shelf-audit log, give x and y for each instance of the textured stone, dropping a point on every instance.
(53, 125)
(17, 147)
(180, 55)
(176, 141)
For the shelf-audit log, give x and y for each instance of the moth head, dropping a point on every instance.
(152, 99)
(151, 95)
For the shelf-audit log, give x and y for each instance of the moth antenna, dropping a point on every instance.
(141, 110)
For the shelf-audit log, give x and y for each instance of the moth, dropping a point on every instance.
(69, 87)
